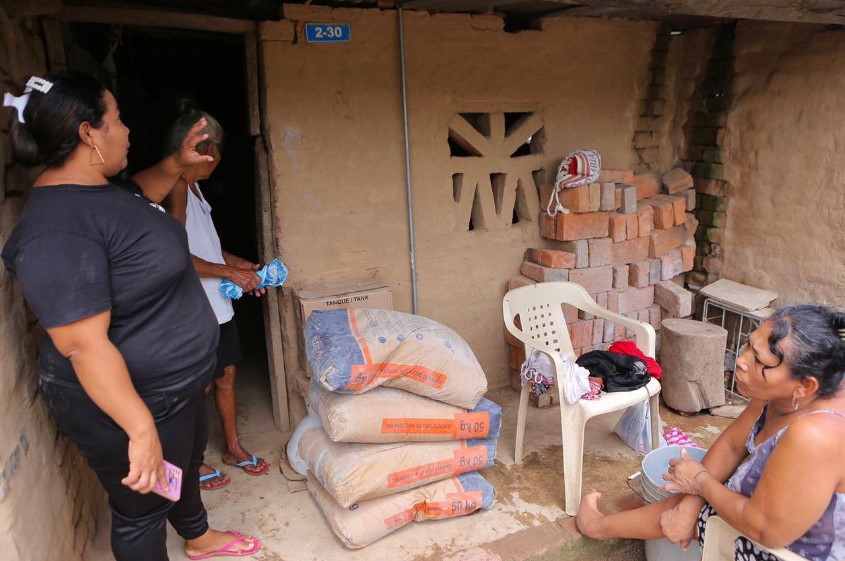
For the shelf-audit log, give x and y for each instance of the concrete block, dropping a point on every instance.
(620, 276)
(639, 273)
(677, 180)
(543, 274)
(600, 252)
(582, 226)
(608, 196)
(629, 251)
(676, 300)
(593, 279)
(617, 226)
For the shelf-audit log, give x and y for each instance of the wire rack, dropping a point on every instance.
(739, 324)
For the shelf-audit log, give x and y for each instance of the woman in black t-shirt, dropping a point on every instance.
(132, 338)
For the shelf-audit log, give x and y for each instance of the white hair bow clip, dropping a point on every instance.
(19, 101)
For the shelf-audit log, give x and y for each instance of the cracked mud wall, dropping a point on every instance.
(785, 163)
(50, 501)
(334, 125)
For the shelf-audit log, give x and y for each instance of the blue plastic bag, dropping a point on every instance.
(272, 274)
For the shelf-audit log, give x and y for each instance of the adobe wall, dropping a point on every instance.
(50, 502)
(786, 163)
(334, 125)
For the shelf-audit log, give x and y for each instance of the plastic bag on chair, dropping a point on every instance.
(634, 427)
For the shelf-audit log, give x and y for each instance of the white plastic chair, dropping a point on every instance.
(719, 541)
(543, 327)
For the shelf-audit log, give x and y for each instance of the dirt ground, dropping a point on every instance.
(527, 520)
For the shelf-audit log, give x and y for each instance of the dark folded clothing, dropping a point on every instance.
(620, 373)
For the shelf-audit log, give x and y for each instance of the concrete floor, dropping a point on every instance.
(527, 520)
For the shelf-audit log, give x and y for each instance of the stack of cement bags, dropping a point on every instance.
(398, 425)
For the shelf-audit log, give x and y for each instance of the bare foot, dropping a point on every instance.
(212, 541)
(589, 515)
(240, 455)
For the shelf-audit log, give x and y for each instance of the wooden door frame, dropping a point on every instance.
(263, 199)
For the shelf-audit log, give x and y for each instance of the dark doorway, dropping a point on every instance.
(151, 70)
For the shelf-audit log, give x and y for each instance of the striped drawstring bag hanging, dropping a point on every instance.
(580, 167)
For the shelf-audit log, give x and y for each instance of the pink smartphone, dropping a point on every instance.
(174, 482)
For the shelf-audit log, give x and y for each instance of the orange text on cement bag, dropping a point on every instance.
(363, 374)
(464, 426)
(465, 459)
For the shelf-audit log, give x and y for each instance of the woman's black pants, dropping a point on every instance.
(138, 530)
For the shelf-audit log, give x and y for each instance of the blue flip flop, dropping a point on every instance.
(253, 462)
(212, 475)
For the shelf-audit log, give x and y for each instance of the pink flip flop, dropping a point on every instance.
(227, 551)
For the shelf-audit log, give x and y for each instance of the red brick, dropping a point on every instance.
(662, 242)
(647, 184)
(579, 248)
(674, 299)
(629, 251)
(613, 300)
(680, 206)
(634, 299)
(582, 226)
(688, 257)
(620, 276)
(598, 331)
(609, 334)
(677, 180)
(518, 281)
(570, 313)
(600, 251)
(595, 196)
(581, 333)
(671, 264)
(632, 226)
(517, 357)
(552, 258)
(629, 198)
(638, 273)
(543, 274)
(643, 316)
(645, 220)
(510, 339)
(616, 176)
(655, 316)
(617, 227)
(664, 213)
(608, 196)
(601, 299)
(593, 279)
(547, 226)
(576, 199)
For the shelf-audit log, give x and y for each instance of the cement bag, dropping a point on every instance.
(353, 351)
(292, 451)
(390, 415)
(355, 472)
(368, 521)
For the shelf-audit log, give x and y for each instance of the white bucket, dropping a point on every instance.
(654, 465)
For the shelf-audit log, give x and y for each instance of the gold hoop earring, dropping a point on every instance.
(794, 402)
(91, 160)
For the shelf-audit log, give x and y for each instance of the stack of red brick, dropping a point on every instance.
(628, 239)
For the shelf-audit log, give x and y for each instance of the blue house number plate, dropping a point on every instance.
(326, 32)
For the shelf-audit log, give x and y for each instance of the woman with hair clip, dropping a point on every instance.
(188, 205)
(132, 338)
(777, 473)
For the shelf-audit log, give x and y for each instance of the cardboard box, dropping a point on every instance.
(333, 295)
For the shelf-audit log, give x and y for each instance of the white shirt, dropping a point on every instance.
(204, 243)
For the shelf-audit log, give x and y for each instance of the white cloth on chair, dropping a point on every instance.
(538, 368)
